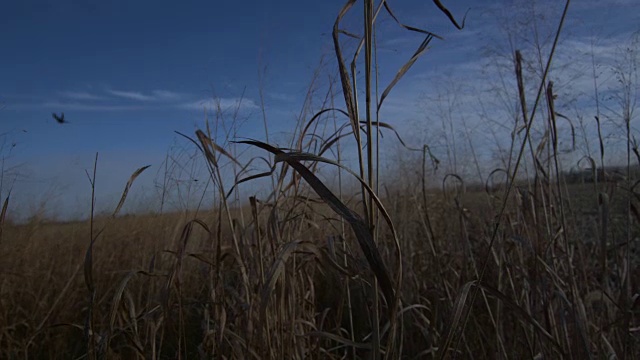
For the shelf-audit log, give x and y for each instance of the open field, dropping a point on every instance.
(526, 262)
(162, 290)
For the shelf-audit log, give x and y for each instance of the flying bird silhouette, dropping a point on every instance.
(60, 119)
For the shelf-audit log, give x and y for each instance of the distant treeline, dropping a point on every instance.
(574, 176)
(606, 174)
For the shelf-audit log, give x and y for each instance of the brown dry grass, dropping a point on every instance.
(310, 272)
(297, 290)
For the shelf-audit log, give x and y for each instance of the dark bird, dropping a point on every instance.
(60, 119)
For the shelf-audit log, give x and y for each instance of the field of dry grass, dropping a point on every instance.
(537, 267)
(167, 287)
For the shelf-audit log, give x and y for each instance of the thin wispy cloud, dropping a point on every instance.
(222, 103)
(132, 95)
(81, 95)
(156, 95)
(166, 95)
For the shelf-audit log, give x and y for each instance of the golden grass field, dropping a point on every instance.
(538, 267)
(167, 288)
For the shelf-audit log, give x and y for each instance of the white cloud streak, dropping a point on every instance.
(166, 95)
(132, 95)
(222, 103)
(81, 95)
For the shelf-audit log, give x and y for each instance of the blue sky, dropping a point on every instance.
(127, 74)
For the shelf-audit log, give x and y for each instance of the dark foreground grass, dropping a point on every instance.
(542, 267)
(162, 292)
